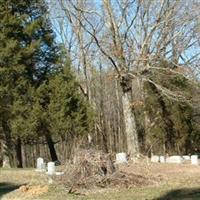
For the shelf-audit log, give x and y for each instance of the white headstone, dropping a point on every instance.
(59, 173)
(162, 159)
(121, 158)
(185, 157)
(51, 169)
(174, 159)
(40, 164)
(155, 159)
(194, 160)
(6, 162)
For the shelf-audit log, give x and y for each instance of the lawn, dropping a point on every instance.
(173, 182)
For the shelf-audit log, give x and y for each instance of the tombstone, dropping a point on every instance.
(40, 164)
(121, 158)
(174, 159)
(155, 159)
(59, 173)
(51, 169)
(162, 159)
(185, 157)
(194, 160)
(6, 162)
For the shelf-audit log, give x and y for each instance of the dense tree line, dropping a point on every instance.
(39, 94)
(118, 78)
(133, 39)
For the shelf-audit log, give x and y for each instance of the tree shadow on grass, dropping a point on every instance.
(7, 187)
(181, 194)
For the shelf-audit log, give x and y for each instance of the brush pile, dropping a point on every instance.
(93, 168)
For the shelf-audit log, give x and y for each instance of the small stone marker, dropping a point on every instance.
(6, 162)
(185, 157)
(51, 169)
(162, 159)
(155, 159)
(194, 160)
(121, 158)
(40, 165)
(59, 173)
(174, 159)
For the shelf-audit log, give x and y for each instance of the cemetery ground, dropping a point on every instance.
(166, 181)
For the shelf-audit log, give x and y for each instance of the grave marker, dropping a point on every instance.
(194, 160)
(51, 169)
(40, 164)
(121, 158)
(174, 159)
(155, 159)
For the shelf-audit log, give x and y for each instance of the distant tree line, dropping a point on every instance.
(119, 77)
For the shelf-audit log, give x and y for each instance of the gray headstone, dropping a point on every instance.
(40, 164)
(121, 158)
(174, 159)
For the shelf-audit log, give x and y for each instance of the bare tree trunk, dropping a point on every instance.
(130, 127)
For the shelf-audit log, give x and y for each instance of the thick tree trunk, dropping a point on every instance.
(52, 149)
(130, 126)
(19, 153)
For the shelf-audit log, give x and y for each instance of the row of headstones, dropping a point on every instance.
(176, 159)
(121, 158)
(50, 168)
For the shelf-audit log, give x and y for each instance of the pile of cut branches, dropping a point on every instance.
(93, 168)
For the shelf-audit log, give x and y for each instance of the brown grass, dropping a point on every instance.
(141, 180)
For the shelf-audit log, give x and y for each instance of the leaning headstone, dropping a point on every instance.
(51, 169)
(194, 160)
(40, 164)
(155, 159)
(174, 159)
(162, 159)
(121, 158)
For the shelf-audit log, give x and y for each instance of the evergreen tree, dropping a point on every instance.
(28, 55)
(170, 127)
(69, 111)
(59, 109)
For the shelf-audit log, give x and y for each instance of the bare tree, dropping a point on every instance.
(134, 35)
